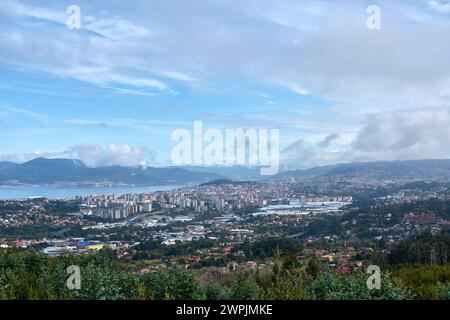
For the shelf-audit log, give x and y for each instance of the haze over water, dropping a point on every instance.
(23, 192)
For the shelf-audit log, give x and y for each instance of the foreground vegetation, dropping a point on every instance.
(33, 275)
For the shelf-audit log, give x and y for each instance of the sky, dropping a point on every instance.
(113, 91)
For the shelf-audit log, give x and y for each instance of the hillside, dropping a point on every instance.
(68, 171)
(438, 170)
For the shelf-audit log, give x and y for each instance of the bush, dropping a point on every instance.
(288, 285)
(217, 292)
(423, 280)
(173, 284)
(443, 291)
(335, 286)
(246, 290)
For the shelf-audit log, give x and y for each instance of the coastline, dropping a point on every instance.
(68, 192)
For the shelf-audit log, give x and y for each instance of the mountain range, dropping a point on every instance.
(437, 170)
(68, 171)
(238, 173)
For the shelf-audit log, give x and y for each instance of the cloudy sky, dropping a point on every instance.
(113, 91)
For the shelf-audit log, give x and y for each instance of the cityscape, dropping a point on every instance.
(224, 156)
(227, 228)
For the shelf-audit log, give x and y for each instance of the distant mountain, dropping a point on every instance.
(67, 171)
(437, 170)
(216, 182)
(222, 182)
(6, 164)
(230, 172)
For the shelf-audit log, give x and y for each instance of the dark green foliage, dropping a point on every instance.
(267, 248)
(425, 249)
(335, 286)
(289, 280)
(33, 275)
(173, 284)
(443, 291)
(246, 290)
(215, 291)
(313, 269)
(61, 207)
(425, 280)
(330, 225)
(7, 207)
(153, 249)
(100, 283)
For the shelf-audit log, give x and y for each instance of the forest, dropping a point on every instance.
(28, 274)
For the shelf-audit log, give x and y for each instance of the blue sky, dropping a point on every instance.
(113, 91)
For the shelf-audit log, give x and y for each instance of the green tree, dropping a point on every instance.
(173, 284)
(313, 269)
(335, 286)
(217, 292)
(246, 290)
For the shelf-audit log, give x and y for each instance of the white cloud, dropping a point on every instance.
(116, 28)
(179, 76)
(408, 134)
(439, 7)
(312, 47)
(95, 54)
(126, 122)
(112, 27)
(317, 48)
(34, 115)
(421, 133)
(92, 155)
(112, 155)
(18, 8)
(106, 77)
(24, 157)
